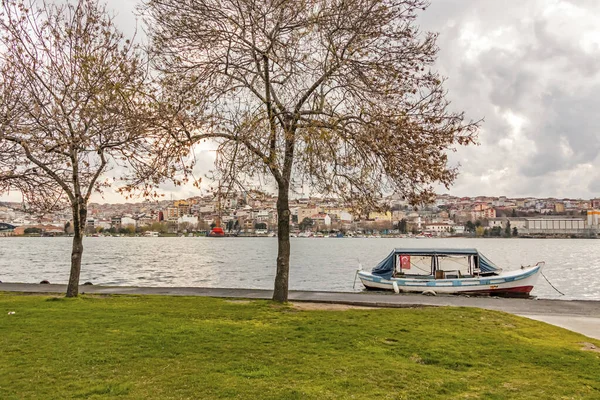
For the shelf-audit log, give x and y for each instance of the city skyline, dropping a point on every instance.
(256, 214)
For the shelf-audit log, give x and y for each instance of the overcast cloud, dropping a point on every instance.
(530, 68)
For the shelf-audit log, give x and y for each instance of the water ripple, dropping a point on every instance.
(572, 265)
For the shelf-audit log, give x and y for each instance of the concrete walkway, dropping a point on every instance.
(578, 316)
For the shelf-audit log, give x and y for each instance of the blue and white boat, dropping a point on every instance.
(451, 271)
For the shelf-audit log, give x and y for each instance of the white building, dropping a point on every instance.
(321, 219)
(90, 223)
(555, 225)
(499, 202)
(128, 221)
(459, 229)
(104, 224)
(494, 222)
(515, 222)
(345, 216)
(190, 219)
(593, 219)
(263, 216)
(439, 229)
(207, 209)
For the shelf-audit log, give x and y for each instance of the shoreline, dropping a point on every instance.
(561, 237)
(582, 316)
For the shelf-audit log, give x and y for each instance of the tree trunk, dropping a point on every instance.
(280, 292)
(79, 219)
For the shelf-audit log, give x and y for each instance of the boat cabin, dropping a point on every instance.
(435, 264)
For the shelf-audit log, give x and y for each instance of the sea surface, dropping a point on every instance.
(323, 264)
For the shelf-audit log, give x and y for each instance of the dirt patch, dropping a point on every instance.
(590, 347)
(328, 306)
(41, 294)
(415, 358)
(509, 386)
(239, 301)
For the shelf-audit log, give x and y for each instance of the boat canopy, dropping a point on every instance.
(385, 268)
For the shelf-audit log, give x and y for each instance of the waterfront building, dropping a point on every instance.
(398, 215)
(500, 201)
(247, 225)
(183, 208)
(115, 222)
(209, 208)
(320, 220)
(7, 229)
(128, 221)
(593, 219)
(146, 220)
(438, 229)
(345, 217)
(104, 224)
(459, 229)
(380, 216)
(307, 212)
(482, 211)
(502, 222)
(495, 222)
(189, 219)
(45, 229)
(555, 225)
(517, 222)
(90, 225)
(172, 213)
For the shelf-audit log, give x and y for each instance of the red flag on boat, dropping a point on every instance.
(404, 261)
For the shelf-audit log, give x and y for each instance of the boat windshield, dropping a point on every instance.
(460, 263)
(426, 264)
(453, 262)
(415, 264)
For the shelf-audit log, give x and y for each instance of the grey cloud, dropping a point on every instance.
(533, 66)
(551, 46)
(594, 186)
(571, 120)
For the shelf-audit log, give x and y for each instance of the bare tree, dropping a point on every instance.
(24, 178)
(72, 101)
(335, 94)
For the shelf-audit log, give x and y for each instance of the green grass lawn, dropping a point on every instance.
(151, 347)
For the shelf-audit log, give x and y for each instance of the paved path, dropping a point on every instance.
(579, 316)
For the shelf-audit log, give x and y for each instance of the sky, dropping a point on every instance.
(529, 68)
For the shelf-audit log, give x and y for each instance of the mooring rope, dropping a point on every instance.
(356, 274)
(550, 283)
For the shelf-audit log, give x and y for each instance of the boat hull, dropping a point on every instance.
(513, 283)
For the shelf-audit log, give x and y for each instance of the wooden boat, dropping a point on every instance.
(452, 271)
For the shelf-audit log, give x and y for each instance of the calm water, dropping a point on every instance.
(573, 266)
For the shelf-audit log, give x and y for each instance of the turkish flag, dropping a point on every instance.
(404, 261)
